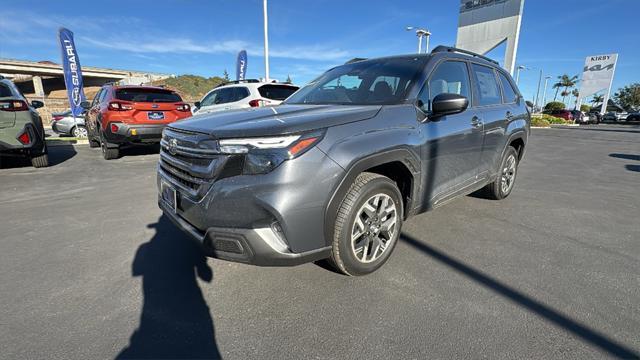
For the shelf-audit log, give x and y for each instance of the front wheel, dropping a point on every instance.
(367, 226)
(503, 185)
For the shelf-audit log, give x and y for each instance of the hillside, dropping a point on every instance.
(190, 87)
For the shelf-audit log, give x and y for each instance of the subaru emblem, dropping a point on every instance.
(173, 146)
(154, 106)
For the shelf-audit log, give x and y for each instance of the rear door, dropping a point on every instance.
(7, 118)
(453, 143)
(237, 98)
(498, 106)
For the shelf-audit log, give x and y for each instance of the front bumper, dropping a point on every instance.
(131, 134)
(252, 246)
(240, 212)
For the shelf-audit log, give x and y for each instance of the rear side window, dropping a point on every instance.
(508, 92)
(5, 91)
(239, 93)
(147, 95)
(276, 92)
(486, 86)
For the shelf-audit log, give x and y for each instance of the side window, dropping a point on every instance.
(486, 85)
(240, 93)
(451, 77)
(97, 97)
(103, 95)
(225, 96)
(508, 92)
(5, 91)
(210, 99)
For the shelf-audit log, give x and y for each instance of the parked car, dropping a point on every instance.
(243, 94)
(21, 130)
(131, 115)
(580, 117)
(335, 170)
(564, 114)
(634, 116)
(615, 116)
(595, 116)
(64, 124)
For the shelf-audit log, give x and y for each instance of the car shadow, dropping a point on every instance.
(139, 150)
(635, 168)
(542, 310)
(57, 155)
(176, 321)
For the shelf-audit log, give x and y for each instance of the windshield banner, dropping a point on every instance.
(241, 65)
(72, 71)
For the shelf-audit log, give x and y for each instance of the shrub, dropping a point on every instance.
(585, 108)
(554, 120)
(539, 122)
(554, 105)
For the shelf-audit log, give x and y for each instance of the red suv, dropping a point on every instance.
(129, 115)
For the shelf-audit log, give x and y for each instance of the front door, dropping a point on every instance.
(452, 143)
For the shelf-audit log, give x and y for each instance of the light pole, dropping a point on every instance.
(544, 94)
(420, 33)
(535, 103)
(266, 42)
(520, 67)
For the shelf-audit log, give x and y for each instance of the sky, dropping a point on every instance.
(308, 37)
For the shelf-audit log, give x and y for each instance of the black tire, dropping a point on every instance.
(40, 161)
(108, 153)
(93, 143)
(496, 190)
(366, 187)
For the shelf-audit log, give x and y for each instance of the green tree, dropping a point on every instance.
(564, 81)
(597, 99)
(576, 94)
(225, 76)
(555, 105)
(628, 97)
(585, 108)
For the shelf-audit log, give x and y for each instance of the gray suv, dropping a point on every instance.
(334, 171)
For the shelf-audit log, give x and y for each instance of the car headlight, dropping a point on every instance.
(263, 154)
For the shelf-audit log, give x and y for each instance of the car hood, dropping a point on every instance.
(275, 120)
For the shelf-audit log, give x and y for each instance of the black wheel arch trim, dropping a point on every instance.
(402, 155)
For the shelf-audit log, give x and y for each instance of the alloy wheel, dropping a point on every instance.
(374, 228)
(508, 174)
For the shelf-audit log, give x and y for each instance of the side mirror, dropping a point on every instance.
(37, 104)
(197, 104)
(85, 105)
(448, 104)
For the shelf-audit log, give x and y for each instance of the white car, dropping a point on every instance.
(243, 94)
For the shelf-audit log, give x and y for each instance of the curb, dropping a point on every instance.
(67, 142)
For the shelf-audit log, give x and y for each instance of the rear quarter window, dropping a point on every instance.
(5, 91)
(147, 95)
(508, 92)
(276, 92)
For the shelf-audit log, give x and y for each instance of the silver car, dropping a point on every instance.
(64, 124)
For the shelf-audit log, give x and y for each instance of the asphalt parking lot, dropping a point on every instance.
(90, 269)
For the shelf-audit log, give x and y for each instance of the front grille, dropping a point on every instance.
(188, 165)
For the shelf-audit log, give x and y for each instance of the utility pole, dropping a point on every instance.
(544, 95)
(520, 67)
(535, 103)
(266, 42)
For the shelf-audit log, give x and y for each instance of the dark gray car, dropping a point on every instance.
(334, 171)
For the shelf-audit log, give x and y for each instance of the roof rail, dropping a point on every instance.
(443, 48)
(354, 60)
(246, 81)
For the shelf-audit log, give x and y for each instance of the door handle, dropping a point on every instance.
(476, 122)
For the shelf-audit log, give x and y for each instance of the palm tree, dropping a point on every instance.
(564, 94)
(566, 82)
(556, 86)
(576, 94)
(597, 99)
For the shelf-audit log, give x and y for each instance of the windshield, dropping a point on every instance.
(147, 95)
(371, 82)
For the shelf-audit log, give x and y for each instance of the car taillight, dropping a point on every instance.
(24, 138)
(114, 128)
(183, 107)
(13, 105)
(256, 103)
(56, 118)
(119, 106)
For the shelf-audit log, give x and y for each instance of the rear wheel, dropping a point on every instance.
(41, 160)
(503, 185)
(79, 132)
(108, 153)
(367, 226)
